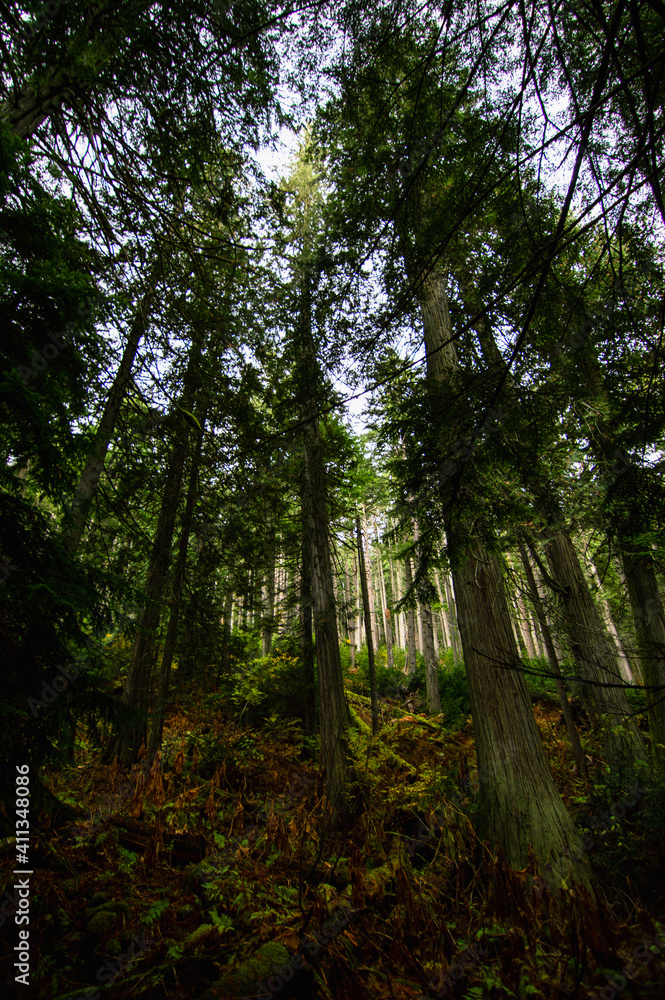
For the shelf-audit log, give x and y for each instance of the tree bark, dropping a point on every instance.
(77, 517)
(307, 639)
(600, 678)
(370, 638)
(519, 805)
(410, 622)
(334, 711)
(431, 674)
(137, 689)
(571, 728)
(370, 584)
(387, 623)
(157, 722)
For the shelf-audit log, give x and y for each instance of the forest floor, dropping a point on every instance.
(213, 872)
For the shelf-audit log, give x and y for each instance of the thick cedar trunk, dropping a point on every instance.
(77, 518)
(519, 805)
(410, 622)
(157, 722)
(333, 709)
(518, 802)
(370, 637)
(586, 635)
(573, 734)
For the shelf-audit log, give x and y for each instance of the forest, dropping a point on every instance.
(332, 637)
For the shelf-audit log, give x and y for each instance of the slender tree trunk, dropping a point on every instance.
(410, 622)
(649, 619)
(370, 638)
(602, 684)
(350, 618)
(370, 586)
(137, 689)
(622, 659)
(77, 518)
(631, 519)
(447, 641)
(571, 728)
(589, 643)
(452, 620)
(431, 675)
(157, 722)
(226, 638)
(268, 618)
(387, 623)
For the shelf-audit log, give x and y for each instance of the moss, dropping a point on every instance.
(243, 978)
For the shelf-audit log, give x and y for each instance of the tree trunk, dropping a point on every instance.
(226, 638)
(370, 585)
(622, 659)
(571, 728)
(588, 640)
(453, 624)
(307, 640)
(268, 617)
(350, 618)
(157, 722)
(649, 621)
(77, 517)
(387, 624)
(602, 685)
(333, 708)
(410, 622)
(431, 675)
(137, 689)
(370, 637)
(519, 805)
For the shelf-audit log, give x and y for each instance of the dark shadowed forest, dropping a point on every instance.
(332, 553)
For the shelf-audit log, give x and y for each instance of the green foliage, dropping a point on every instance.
(271, 686)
